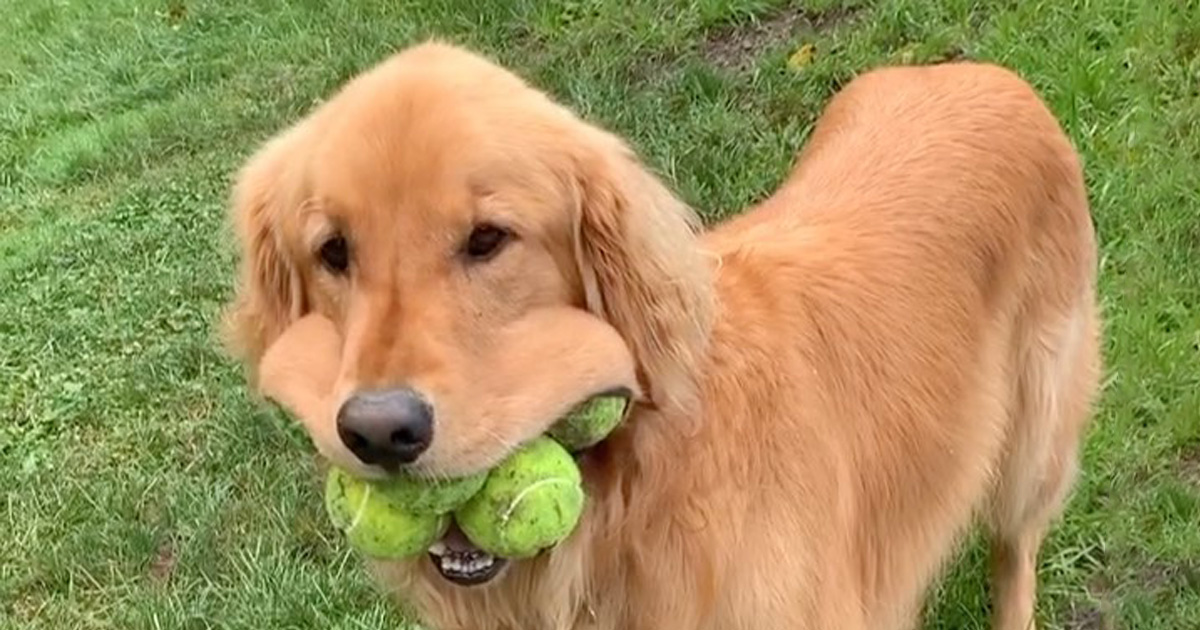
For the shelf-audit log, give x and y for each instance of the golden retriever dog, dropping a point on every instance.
(827, 390)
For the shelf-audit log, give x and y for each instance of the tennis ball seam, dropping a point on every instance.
(362, 508)
(512, 505)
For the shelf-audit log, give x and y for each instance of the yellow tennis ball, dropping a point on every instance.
(590, 421)
(531, 501)
(430, 496)
(376, 524)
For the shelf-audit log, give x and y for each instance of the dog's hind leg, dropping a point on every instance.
(1058, 373)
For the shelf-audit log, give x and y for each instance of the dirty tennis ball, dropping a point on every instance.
(531, 501)
(375, 523)
(590, 421)
(431, 496)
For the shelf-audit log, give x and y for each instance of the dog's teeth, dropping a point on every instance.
(463, 563)
(438, 548)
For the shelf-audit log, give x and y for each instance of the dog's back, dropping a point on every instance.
(911, 322)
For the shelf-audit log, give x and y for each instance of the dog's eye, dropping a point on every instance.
(335, 254)
(485, 241)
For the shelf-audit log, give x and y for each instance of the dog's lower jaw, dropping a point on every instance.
(463, 564)
(467, 570)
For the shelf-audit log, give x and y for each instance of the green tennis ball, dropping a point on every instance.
(531, 501)
(374, 523)
(591, 421)
(431, 496)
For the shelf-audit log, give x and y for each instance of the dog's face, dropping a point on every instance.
(488, 260)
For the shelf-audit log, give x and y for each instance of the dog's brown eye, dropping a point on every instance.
(335, 254)
(486, 240)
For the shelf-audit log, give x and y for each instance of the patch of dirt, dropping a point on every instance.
(952, 54)
(1189, 464)
(1087, 617)
(162, 565)
(1158, 575)
(649, 67)
(1095, 614)
(735, 47)
(1155, 576)
(175, 13)
(24, 607)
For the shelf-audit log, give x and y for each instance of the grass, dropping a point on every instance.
(145, 489)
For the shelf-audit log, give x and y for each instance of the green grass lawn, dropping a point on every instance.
(143, 487)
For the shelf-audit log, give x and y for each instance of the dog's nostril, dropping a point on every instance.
(405, 437)
(354, 441)
(357, 444)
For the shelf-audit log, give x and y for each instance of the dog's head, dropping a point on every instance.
(487, 259)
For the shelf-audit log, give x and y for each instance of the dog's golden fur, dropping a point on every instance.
(833, 385)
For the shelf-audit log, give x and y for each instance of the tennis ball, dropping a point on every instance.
(531, 501)
(374, 522)
(431, 496)
(590, 421)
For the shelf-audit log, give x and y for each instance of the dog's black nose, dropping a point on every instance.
(387, 427)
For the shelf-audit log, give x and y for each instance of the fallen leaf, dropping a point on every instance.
(803, 57)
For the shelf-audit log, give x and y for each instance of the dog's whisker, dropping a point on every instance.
(508, 445)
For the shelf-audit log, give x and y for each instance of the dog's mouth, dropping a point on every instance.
(461, 562)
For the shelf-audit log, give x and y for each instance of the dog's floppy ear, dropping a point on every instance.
(270, 294)
(642, 268)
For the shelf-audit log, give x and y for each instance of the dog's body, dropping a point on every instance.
(902, 338)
